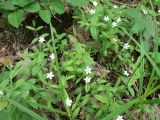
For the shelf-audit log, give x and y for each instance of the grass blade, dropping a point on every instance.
(28, 111)
(121, 109)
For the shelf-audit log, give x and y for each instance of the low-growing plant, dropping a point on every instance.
(17, 10)
(60, 78)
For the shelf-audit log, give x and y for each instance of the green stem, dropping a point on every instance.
(62, 88)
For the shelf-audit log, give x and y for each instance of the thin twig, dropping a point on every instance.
(120, 3)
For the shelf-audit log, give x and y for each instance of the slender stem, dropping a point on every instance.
(62, 88)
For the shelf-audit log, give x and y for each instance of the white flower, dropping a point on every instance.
(115, 6)
(92, 11)
(68, 102)
(118, 20)
(95, 3)
(1, 93)
(88, 70)
(119, 118)
(87, 80)
(126, 46)
(106, 18)
(50, 75)
(114, 24)
(115, 39)
(52, 56)
(145, 12)
(126, 73)
(41, 39)
(159, 11)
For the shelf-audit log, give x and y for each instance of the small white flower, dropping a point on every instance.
(114, 24)
(1, 93)
(106, 18)
(119, 118)
(126, 46)
(92, 11)
(159, 11)
(50, 75)
(68, 102)
(145, 12)
(88, 70)
(52, 56)
(115, 6)
(115, 39)
(87, 80)
(41, 39)
(126, 73)
(95, 3)
(119, 20)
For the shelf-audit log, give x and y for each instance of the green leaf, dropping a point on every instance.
(3, 104)
(78, 3)
(57, 6)
(77, 101)
(87, 88)
(15, 18)
(30, 28)
(33, 7)
(26, 110)
(137, 27)
(75, 113)
(101, 98)
(133, 13)
(149, 29)
(85, 100)
(45, 15)
(94, 32)
(36, 69)
(22, 3)
(7, 6)
(6, 115)
(121, 109)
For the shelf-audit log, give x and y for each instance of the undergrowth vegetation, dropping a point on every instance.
(112, 74)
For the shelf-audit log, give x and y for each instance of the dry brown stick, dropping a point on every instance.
(120, 3)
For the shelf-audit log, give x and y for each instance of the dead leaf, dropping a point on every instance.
(7, 59)
(101, 71)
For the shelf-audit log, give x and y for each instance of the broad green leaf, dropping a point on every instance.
(33, 7)
(7, 6)
(133, 13)
(149, 29)
(57, 6)
(22, 3)
(15, 18)
(78, 3)
(45, 15)
(137, 27)
(4, 115)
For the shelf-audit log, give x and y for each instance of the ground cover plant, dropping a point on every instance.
(103, 66)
